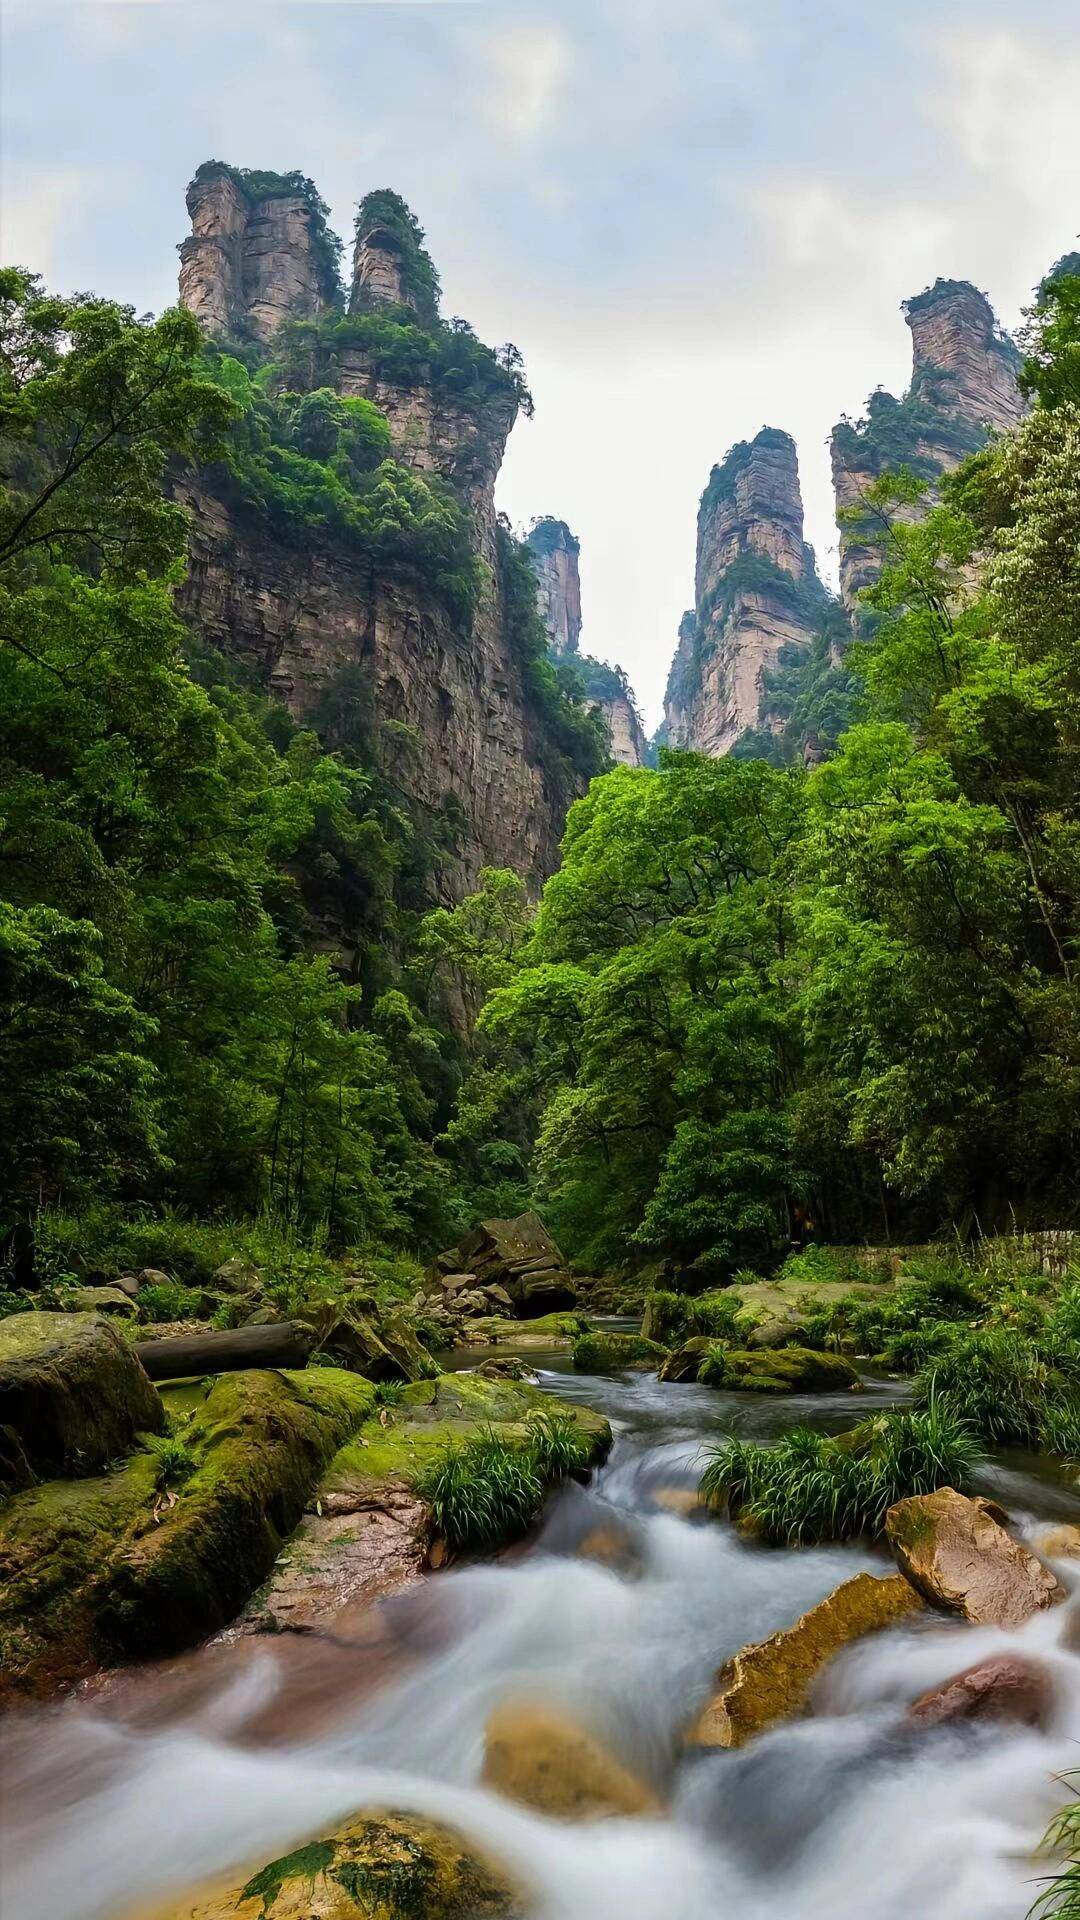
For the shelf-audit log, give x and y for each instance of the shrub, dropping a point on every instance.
(168, 1300)
(671, 1318)
(810, 1487)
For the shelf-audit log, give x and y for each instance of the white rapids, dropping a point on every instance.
(840, 1816)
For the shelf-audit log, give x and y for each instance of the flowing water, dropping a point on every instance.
(843, 1815)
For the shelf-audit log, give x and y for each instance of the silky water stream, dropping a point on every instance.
(844, 1815)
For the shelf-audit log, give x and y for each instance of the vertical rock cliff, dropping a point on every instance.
(554, 552)
(447, 697)
(259, 251)
(963, 389)
(758, 598)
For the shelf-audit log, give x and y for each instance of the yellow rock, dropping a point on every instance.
(680, 1500)
(1060, 1543)
(543, 1760)
(771, 1680)
(376, 1866)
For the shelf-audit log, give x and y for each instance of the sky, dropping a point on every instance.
(694, 218)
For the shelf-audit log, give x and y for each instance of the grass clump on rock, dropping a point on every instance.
(487, 1490)
(810, 1487)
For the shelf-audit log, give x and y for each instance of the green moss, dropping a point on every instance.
(104, 1569)
(305, 1863)
(614, 1352)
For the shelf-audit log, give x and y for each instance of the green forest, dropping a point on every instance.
(755, 1003)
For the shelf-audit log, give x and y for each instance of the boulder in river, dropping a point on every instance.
(617, 1353)
(72, 1394)
(1008, 1686)
(739, 1370)
(771, 1680)
(957, 1554)
(375, 1866)
(1060, 1543)
(545, 1760)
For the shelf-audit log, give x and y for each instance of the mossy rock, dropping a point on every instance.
(400, 1441)
(98, 1570)
(377, 1866)
(552, 1330)
(382, 1347)
(789, 1370)
(72, 1394)
(617, 1353)
(738, 1370)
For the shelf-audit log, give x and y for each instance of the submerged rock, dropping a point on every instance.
(956, 1553)
(376, 1866)
(771, 1680)
(545, 1760)
(72, 1394)
(1007, 1687)
(1060, 1543)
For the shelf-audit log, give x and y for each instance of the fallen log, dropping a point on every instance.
(287, 1344)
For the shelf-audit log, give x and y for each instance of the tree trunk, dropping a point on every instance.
(285, 1345)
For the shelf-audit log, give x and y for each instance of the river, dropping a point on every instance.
(839, 1816)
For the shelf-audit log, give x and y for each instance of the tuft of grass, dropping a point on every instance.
(809, 1487)
(1012, 1390)
(1061, 1898)
(487, 1490)
(175, 1461)
(169, 1300)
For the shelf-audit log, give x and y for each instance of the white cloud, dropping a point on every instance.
(527, 71)
(33, 216)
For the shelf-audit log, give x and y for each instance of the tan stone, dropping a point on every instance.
(957, 1554)
(681, 1500)
(543, 1759)
(771, 1680)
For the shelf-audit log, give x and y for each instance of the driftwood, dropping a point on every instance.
(286, 1344)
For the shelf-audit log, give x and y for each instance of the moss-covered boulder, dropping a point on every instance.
(376, 1866)
(98, 1570)
(742, 1370)
(617, 1353)
(383, 1347)
(397, 1443)
(685, 1363)
(72, 1394)
(550, 1330)
(771, 1680)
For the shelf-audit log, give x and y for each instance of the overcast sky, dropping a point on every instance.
(693, 217)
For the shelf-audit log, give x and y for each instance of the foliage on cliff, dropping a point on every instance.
(316, 464)
(167, 1031)
(756, 993)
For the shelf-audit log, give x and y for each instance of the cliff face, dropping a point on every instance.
(963, 389)
(253, 257)
(554, 552)
(757, 598)
(306, 613)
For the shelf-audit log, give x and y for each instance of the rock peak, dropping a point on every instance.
(757, 597)
(259, 252)
(554, 551)
(391, 265)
